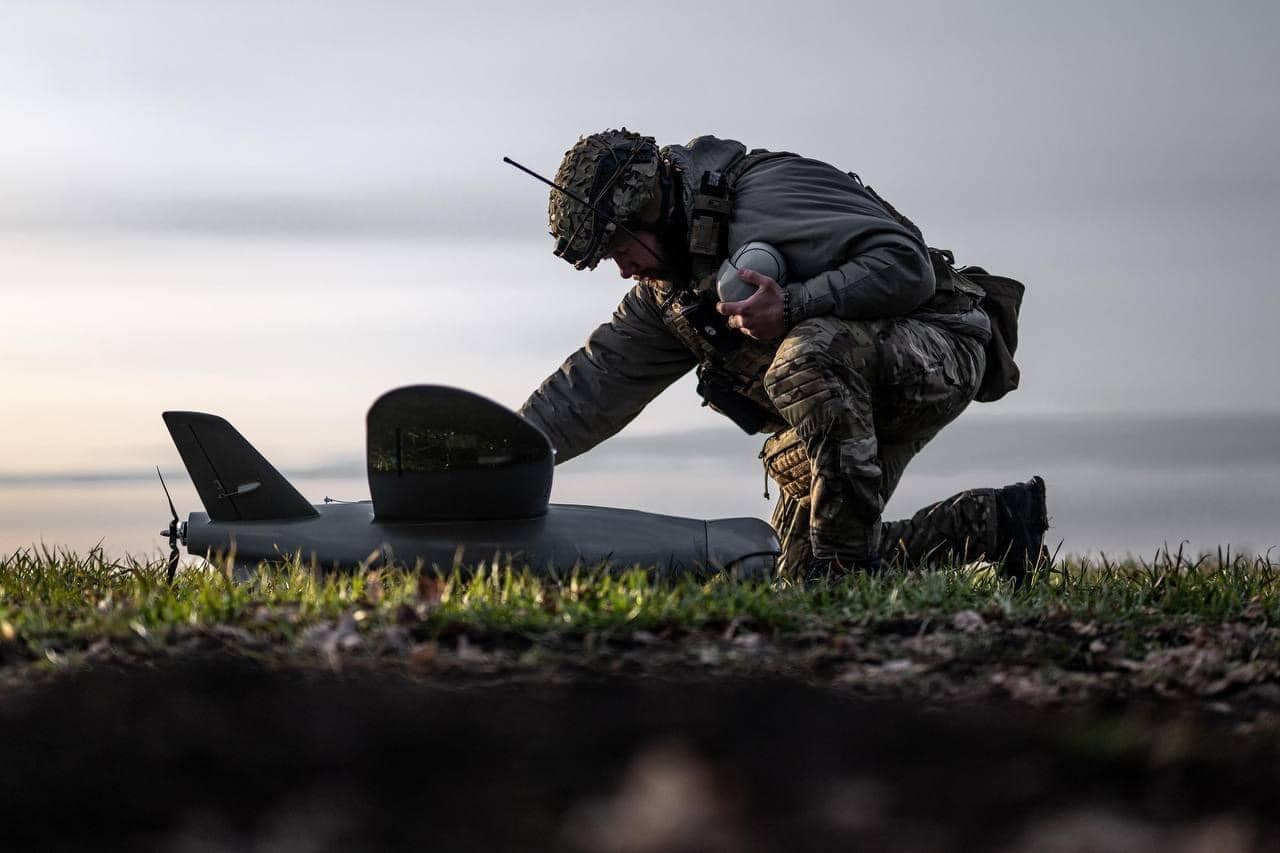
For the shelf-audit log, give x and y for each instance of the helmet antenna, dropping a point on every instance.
(588, 205)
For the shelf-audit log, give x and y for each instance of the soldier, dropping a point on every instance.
(853, 366)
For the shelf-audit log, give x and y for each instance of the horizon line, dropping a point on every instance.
(352, 465)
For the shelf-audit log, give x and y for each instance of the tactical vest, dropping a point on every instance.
(731, 365)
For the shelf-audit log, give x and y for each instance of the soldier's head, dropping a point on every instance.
(619, 173)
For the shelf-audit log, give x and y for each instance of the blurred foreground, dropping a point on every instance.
(219, 757)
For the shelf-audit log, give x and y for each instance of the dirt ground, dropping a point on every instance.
(646, 744)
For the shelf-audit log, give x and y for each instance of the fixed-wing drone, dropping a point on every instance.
(454, 478)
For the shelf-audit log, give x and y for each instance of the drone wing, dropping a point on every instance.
(234, 481)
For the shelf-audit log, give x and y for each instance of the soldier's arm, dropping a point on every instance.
(888, 280)
(600, 388)
(847, 256)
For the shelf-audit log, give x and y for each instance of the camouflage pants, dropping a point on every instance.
(861, 399)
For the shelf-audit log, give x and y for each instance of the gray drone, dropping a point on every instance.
(454, 478)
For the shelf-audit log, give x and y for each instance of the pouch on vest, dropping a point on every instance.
(711, 325)
(786, 460)
(1002, 300)
(717, 389)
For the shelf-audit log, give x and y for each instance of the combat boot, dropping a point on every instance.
(1022, 517)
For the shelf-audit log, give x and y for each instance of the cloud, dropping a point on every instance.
(425, 214)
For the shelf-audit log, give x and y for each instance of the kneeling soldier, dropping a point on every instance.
(874, 345)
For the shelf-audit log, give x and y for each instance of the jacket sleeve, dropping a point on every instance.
(846, 255)
(887, 280)
(600, 388)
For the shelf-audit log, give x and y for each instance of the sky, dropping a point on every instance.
(277, 211)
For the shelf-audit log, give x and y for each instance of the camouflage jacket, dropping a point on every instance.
(846, 256)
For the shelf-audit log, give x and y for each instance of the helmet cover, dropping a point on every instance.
(616, 171)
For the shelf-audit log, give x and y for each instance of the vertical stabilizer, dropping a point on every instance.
(234, 481)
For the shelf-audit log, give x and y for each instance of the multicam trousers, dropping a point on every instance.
(861, 399)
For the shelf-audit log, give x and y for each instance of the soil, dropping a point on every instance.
(655, 744)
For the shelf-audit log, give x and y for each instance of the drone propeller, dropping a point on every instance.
(173, 531)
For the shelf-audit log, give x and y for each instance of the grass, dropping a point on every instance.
(1160, 655)
(54, 601)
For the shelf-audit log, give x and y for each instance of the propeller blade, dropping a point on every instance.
(171, 565)
(166, 493)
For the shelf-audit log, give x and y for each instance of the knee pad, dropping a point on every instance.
(820, 362)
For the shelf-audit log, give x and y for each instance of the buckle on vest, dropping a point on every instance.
(712, 183)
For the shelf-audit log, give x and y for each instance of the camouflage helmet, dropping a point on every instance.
(616, 171)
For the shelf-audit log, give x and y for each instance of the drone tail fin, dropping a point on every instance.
(234, 481)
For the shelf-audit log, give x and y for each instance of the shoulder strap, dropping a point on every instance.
(712, 207)
(709, 223)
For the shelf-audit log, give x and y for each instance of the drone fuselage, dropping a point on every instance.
(456, 480)
(347, 536)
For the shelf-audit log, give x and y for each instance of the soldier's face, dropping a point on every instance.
(638, 256)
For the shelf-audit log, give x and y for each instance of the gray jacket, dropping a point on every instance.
(845, 256)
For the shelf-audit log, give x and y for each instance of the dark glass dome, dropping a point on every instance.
(437, 453)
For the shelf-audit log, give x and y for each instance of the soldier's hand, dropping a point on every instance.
(759, 315)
